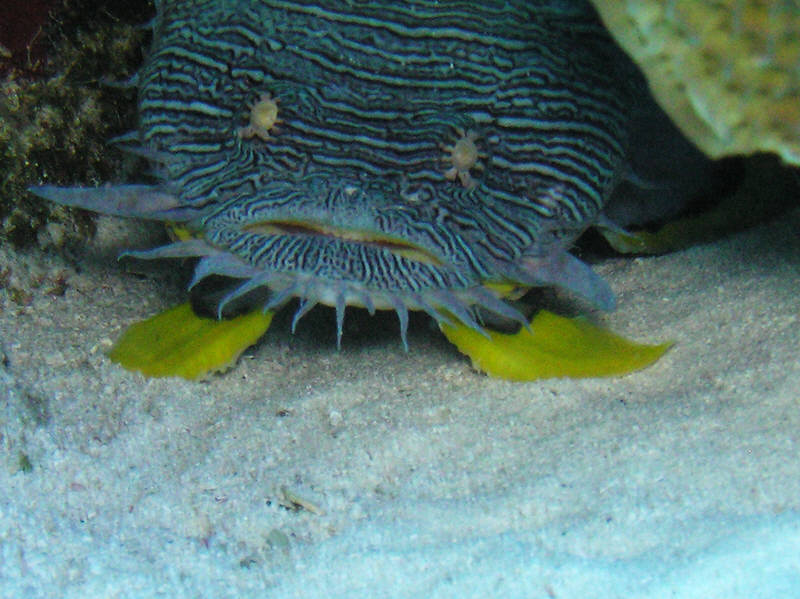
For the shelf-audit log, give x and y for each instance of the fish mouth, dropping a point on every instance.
(370, 239)
(448, 294)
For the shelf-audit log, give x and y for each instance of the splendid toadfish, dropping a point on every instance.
(399, 156)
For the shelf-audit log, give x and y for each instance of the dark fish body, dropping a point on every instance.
(353, 195)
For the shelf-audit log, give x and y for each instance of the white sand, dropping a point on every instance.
(431, 481)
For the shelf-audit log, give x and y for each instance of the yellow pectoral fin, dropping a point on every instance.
(554, 347)
(768, 190)
(179, 232)
(177, 342)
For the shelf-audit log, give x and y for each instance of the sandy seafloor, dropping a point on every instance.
(424, 478)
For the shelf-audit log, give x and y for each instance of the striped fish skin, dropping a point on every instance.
(348, 200)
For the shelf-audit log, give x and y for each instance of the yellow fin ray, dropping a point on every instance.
(554, 347)
(179, 343)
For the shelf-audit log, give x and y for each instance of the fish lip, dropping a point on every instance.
(309, 228)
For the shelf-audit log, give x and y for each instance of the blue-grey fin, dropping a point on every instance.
(561, 269)
(402, 315)
(305, 305)
(159, 159)
(239, 291)
(432, 311)
(366, 299)
(341, 306)
(133, 201)
(131, 143)
(452, 304)
(486, 299)
(639, 180)
(277, 299)
(222, 264)
(191, 248)
(662, 171)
